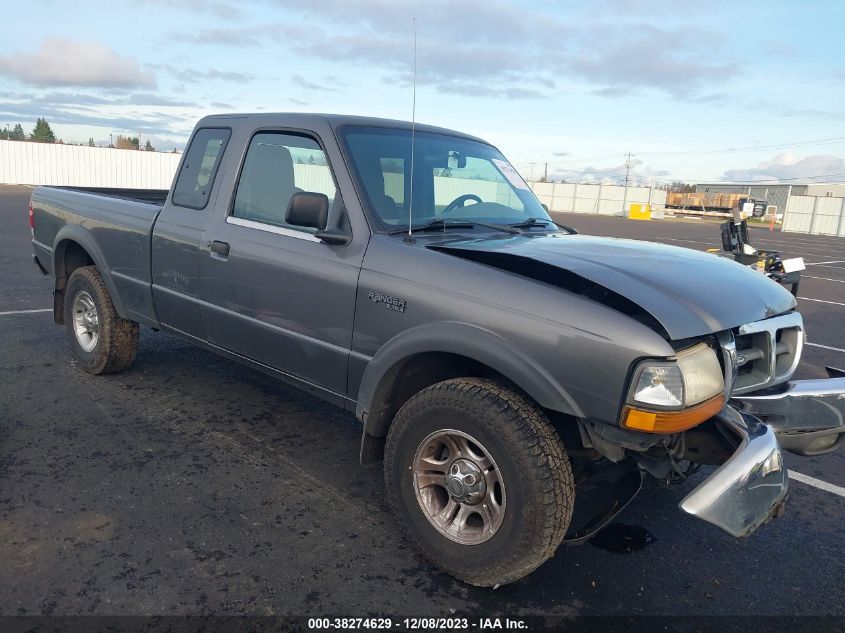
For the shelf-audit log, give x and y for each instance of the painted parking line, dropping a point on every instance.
(835, 261)
(13, 312)
(839, 281)
(835, 303)
(828, 266)
(832, 349)
(812, 251)
(817, 483)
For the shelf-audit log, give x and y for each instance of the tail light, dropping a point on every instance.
(31, 220)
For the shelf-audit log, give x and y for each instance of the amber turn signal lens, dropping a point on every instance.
(671, 421)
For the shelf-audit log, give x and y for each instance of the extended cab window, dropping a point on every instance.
(277, 165)
(199, 167)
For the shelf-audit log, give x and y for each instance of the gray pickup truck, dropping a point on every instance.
(499, 363)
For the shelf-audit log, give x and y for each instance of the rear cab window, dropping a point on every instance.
(199, 167)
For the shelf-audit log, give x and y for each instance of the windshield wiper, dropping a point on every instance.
(439, 224)
(528, 223)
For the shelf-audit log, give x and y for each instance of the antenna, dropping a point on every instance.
(413, 133)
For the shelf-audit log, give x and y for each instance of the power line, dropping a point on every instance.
(727, 150)
(608, 174)
(750, 181)
(750, 148)
(581, 160)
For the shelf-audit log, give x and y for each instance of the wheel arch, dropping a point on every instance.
(425, 355)
(73, 248)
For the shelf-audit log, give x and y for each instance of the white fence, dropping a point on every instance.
(818, 215)
(25, 163)
(601, 199)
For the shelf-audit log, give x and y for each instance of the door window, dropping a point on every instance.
(277, 165)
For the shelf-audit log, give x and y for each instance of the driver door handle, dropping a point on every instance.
(219, 250)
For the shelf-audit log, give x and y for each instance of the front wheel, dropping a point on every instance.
(480, 480)
(102, 342)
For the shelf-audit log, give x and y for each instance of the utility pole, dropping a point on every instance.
(627, 174)
(546, 173)
(531, 175)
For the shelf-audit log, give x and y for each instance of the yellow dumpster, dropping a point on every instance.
(639, 212)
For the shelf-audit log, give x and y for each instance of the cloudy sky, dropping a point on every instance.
(696, 91)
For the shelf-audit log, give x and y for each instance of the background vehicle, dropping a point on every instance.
(496, 361)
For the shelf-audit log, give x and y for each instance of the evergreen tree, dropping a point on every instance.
(149, 147)
(91, 142)
(42, 132)
(17, 133)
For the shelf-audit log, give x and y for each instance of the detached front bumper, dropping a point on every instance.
(750, 487)
(806, 417)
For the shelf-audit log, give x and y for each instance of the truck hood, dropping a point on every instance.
(688, 292)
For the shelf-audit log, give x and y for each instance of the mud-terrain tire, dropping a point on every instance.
(102, 342)
(513, 437)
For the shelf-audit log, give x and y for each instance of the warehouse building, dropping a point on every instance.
(774, 194)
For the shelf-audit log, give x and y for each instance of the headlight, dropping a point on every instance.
(674, 395)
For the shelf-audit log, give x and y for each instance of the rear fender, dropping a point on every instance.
(75, 233)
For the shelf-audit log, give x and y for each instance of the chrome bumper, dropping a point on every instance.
(808, 416)
(750, 487)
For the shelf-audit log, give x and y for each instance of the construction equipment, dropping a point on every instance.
(735, 241)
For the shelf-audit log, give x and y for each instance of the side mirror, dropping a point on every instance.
(309, 209)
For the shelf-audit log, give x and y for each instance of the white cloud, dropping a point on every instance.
(496, 48)
(195, 76)
(64, 62)
(790, 167)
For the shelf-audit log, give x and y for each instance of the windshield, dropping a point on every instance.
(454, 179)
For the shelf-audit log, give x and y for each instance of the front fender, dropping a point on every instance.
(470, 341)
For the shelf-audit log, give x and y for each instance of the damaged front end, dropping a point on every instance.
(805, 417)
(765, 414)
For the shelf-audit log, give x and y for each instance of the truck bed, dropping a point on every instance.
(113, 226)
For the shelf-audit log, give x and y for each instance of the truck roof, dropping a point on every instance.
(336, 121)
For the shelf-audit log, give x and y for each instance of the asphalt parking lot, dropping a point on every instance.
(191, 485)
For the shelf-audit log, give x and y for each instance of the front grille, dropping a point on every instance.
(766, 352)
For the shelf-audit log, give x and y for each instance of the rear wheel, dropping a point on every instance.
(479, 479)
(102, 342)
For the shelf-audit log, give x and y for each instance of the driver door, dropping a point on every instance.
(273, 292)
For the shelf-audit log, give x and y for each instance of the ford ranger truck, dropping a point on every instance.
(517, 380)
